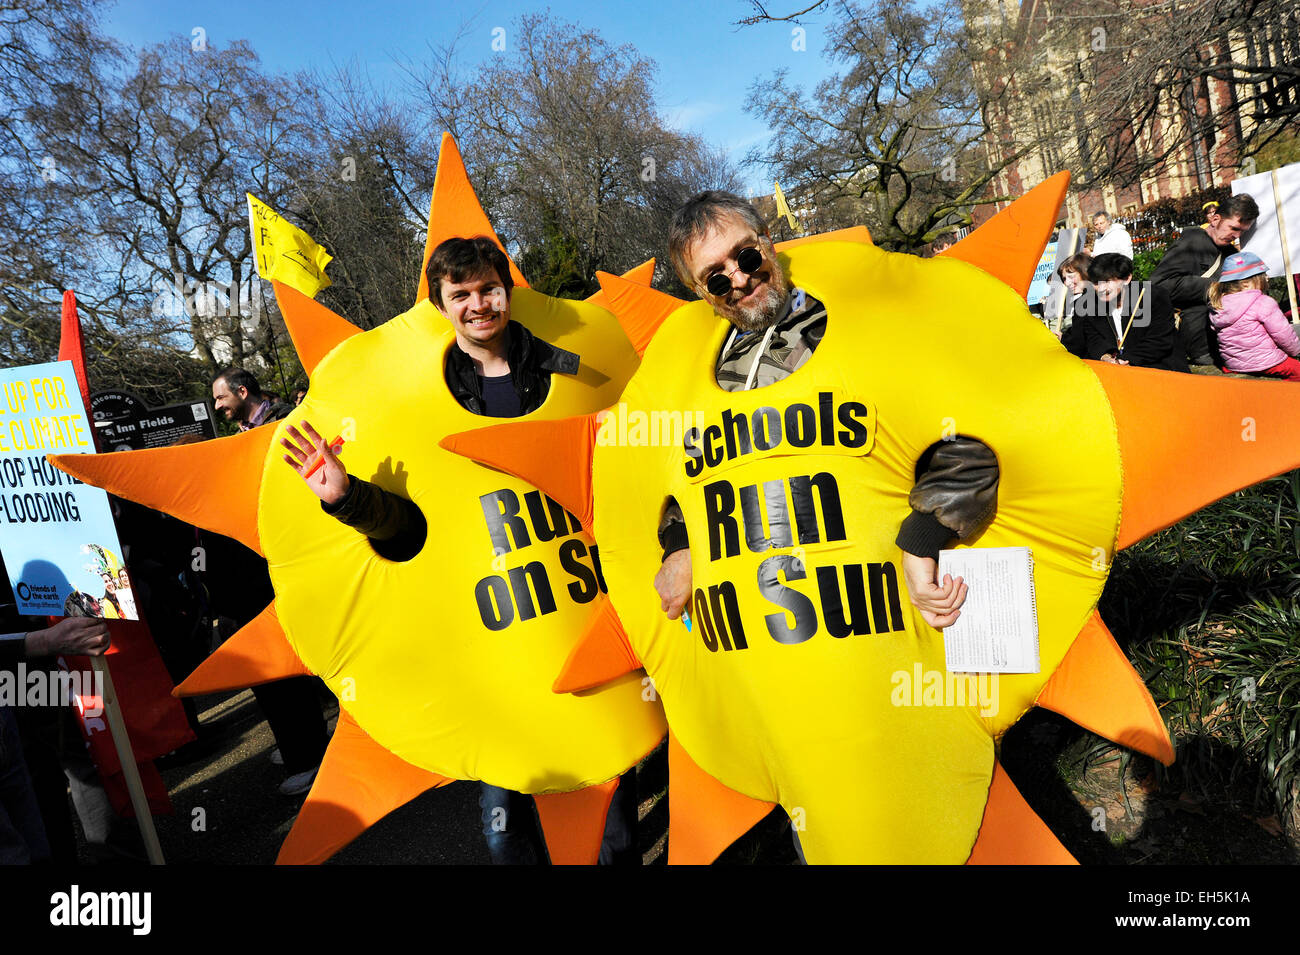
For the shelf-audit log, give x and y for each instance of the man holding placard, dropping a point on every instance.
(721, 249)
(1192, 263)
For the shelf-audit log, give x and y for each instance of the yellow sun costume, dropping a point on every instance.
(442, 664)
(787, 691)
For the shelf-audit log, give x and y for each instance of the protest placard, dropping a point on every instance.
(60, 544)
(1276, 235)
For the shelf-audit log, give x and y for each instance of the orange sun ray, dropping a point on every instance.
(527, 449)
(315, 329)
(640, 275)
(1010, 244)
(180, 480)
(1096, 687)
(704, 816)
(359, 783)
(256, 653)
(1250, 430)
(574, 822)
(1012, 833)
(638, 308)
(601, 655)
(454, 210)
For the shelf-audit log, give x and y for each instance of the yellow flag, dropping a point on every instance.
(782, 209)
(284, 252)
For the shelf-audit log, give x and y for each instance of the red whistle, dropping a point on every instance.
(317, 459)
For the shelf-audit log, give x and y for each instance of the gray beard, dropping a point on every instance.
(764, 317)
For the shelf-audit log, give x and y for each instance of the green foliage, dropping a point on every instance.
(1208, 610)
(554, 264)
(362, 222)
(1283, 150)
(1144, 263)
(1277, 289)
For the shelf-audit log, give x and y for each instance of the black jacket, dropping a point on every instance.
(395, 526)
(1151, 341)
(1072, 336)
(531, 363)
(1179, 274)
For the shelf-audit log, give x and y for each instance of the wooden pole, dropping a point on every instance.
(1286, 251)
(126, 756)
(70, 340)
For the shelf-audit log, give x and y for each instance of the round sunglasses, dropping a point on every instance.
(748, 260)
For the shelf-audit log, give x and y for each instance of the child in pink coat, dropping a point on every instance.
(1254, 336)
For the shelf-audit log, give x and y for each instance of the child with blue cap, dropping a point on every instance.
(1254, 336)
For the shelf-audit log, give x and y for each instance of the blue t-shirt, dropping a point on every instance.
(500, 400)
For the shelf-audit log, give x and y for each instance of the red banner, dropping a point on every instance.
(155, 720)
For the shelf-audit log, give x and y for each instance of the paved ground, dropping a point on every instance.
(229, 812)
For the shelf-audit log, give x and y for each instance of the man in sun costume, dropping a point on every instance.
(721, 249)
(461, 694)
(501, 370)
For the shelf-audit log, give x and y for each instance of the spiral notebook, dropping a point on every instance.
(997, 631)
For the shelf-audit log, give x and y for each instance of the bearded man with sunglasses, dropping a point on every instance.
(720, 248)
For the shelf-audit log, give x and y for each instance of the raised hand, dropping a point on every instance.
(330, 482)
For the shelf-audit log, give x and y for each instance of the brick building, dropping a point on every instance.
(1043, 60)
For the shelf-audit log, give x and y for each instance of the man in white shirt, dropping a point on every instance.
(1111, 237)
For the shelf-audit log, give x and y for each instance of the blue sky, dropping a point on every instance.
(706, 64)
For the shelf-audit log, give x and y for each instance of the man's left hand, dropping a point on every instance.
(330, 483)
(938, 602)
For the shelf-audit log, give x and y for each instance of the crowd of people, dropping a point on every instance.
(1206, 304)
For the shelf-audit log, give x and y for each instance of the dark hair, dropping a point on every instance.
(1110, 266)
(1099, 212)
(457, 260)
(1242, 206)
(943, 241)
(698, 214)
(237, 378)
(1079, 262)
